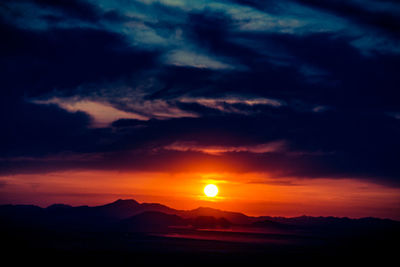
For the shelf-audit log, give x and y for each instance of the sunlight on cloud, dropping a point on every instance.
(214, 102)
(102, 113)
(105, 112)
(157, 108)
(227, 104)
(192, 59)
(133, 105)
(219, 150)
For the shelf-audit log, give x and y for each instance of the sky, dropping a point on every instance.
(290, 107)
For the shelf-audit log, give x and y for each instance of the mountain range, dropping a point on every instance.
(130, 215)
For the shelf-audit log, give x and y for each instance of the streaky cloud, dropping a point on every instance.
(276, 146)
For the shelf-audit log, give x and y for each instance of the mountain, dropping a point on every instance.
(234, 217)
(100, 217)
(127, 230)
(126, 208)
(150, 221)
(58, 207)
(121, 209)
(18, 215)
(130, 214)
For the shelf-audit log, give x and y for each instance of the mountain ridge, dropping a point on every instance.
(129, 207)
(131, 216)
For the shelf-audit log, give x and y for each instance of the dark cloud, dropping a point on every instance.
(31, 129)
(318, 145)
(348, 78)
(333, 99)
(63, 10)
(38, 62)
(270, 6)
(378, 15)
(72, 8)
(385, 18)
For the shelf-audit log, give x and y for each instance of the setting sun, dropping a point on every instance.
(211, 190)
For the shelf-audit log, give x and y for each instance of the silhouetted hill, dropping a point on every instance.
(20, 215)
(234, 217)
(153, 214)
(150, 221)
(58, 207)
(151, 231)
(121, 209)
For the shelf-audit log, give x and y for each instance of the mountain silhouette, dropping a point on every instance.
(150, 221)
(234, 217)
(129, 230)
(132, 215)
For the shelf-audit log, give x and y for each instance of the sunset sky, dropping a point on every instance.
(290, 107)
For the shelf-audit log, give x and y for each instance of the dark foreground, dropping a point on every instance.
(51, 237)
(49, 247)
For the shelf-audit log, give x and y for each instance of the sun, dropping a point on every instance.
(211, 190)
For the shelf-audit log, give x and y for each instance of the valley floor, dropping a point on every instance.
(193, 248)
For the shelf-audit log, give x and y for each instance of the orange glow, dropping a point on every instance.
(250, 193)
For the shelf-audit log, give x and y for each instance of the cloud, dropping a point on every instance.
(218, 150)
(238, 105)
(106, 110)
(186, 58)
(395, 115)
(217, 102)
(155, 85)
(103, 114)
(380, 15)
(3, 184)
(59, 59)
(32, 129)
